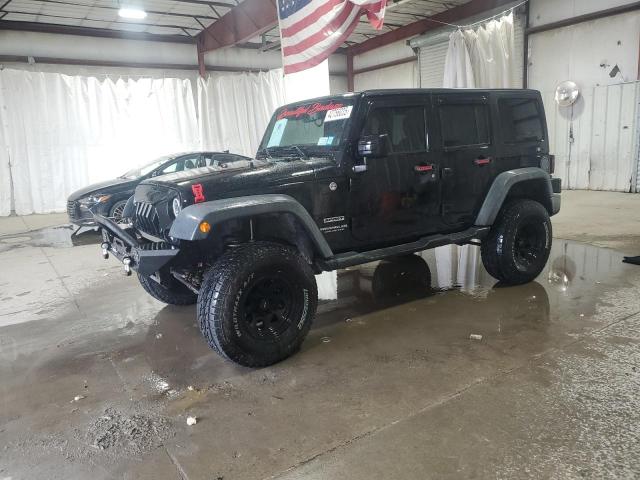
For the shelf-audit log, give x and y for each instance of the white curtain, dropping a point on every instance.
(63, 132)
(483, 57)
(235, 109)
(5, 174)
(458, 72)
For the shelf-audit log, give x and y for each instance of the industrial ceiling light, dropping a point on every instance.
(132, 13)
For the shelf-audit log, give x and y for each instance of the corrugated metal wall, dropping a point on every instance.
(595, 141)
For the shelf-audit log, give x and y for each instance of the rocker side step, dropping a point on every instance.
(349, 259)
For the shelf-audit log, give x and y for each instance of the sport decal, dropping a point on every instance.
(309, 110)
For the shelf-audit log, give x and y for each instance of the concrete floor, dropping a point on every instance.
(387, 385)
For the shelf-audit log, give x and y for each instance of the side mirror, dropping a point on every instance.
(372, 146)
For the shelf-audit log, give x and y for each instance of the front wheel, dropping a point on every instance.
(518, 245)
(257, 302)
(116, 212)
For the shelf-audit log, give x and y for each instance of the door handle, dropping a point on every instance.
(447, 172)
(359, 168)
(480, 161)
(422, 169)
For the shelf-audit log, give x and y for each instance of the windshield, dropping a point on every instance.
(147, 168)
(308, 129)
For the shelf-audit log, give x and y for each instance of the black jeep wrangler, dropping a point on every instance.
(341, 181)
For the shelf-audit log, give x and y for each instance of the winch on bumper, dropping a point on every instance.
(145, 258)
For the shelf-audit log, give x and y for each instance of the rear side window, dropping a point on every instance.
(464, 125)
(404, 126)
(520, 120)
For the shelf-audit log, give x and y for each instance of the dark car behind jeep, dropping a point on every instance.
(109, 198)
(340, 181)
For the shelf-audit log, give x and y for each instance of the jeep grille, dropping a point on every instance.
(146, 219)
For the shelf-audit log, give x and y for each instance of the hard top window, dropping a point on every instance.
(404, 127)
(464, 125)
(520, 120)
(313, 126)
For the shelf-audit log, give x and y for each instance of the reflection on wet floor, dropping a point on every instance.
(62, 236)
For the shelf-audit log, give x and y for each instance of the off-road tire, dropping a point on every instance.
(227, 309)
(518, 245)
(175, 294)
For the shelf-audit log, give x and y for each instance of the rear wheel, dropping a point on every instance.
(518, 245)
(257, 302)
(173, 293)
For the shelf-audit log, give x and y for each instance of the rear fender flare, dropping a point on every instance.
(501, 186)
(186, 225)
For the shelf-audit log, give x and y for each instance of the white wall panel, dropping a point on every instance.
(385, 54)
(543, 12)
(595, 141)
(399, 76)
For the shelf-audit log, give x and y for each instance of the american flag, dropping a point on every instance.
(311, 30)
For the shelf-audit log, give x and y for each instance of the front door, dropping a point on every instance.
(396, 196)
(467, 155)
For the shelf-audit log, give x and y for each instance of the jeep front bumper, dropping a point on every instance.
(145, 258)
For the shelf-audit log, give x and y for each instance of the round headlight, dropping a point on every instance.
(176, 206)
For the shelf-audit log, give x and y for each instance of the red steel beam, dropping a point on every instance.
(474, 7)
(238, 25)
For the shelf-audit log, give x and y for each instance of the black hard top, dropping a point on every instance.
(408, 91)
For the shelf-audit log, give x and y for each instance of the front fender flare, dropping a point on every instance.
(185, 226)
(500, 189)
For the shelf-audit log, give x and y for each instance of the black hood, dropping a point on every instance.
(239, 178)
(109, 187)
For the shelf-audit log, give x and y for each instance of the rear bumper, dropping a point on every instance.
(145, 258)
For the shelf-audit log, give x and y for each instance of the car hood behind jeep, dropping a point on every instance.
(239, 178)
(116, 185)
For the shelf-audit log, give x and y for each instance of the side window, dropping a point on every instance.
(520, 120)
(172, 167)
(207, 160)
(190, 162)
(404, 126)
(464, 125)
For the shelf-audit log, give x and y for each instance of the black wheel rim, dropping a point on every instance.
(117, 213)
(530, 245)
(267, 308)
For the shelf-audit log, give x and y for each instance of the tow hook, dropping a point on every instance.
(105, 250)
(126, 261)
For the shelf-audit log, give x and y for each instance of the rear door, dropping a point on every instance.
(467, 152)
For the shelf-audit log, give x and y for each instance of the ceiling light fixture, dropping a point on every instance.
(133, 13)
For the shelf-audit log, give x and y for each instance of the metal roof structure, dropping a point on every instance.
(180, 20)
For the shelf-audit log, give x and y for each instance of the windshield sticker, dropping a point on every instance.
(329, 140)
(310, 110)
(277, 132)
(323, 141)
(338, 114)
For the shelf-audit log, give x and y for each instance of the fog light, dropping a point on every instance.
(105, 250)
(205, 227)
(126, 261)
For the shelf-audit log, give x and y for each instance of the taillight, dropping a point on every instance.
(547, 163)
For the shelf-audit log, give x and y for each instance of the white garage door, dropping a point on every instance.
(433, 51)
